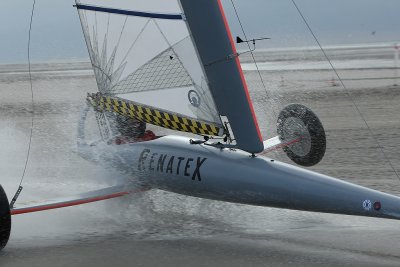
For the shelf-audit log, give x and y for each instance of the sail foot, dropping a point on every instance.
(151, 115)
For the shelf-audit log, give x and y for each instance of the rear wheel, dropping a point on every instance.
(5, 219)
(299, 124)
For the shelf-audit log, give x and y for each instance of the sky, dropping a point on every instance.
(57, 35)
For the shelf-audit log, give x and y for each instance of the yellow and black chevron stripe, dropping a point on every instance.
(153, 116)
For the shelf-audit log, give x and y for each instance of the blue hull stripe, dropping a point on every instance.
(130, 13)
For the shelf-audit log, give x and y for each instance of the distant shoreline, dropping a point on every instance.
(343, 57)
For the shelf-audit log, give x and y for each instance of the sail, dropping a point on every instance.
(142, 51)
(164, 57)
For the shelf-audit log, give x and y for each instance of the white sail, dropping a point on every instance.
(172, 63)
(142, 51)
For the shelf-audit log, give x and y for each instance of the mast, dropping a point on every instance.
(214, 43)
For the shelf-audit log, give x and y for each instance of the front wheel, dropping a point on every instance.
(299, 124)
(5, 219)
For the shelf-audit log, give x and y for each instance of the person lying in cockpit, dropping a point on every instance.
(131, 130)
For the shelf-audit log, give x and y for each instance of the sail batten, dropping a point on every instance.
(130, 12)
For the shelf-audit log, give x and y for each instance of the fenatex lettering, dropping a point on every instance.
(160, 165)
(187, 166)
(142, 159)
(151, 167)
(170, 164)
(196, 172)
(179, 164)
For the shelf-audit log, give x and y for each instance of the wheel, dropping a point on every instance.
(5, 219)
(297, 121)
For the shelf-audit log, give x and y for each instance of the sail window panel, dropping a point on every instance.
(178, 37)
(164, 71)
(142, 47)
(156, 6)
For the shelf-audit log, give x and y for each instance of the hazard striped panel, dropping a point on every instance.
(153, 116)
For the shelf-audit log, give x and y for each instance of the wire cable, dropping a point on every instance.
(252, 55)
(350, 95)
(32, 108)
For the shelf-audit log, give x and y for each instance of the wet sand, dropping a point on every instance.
(164, 229)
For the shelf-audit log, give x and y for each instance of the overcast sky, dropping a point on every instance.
(57, 34)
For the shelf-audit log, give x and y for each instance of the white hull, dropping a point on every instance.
(172, 163)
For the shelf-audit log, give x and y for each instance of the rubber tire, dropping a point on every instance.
(314, 128)
(5, 219)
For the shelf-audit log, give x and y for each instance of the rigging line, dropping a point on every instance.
(85, 28)
(252, 55)
(105, 41)
(32, 107)
(120, 34)
(123, 61)
(95, 24)
(350, 95)
(31, 88)
(135, 41)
